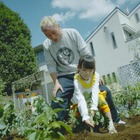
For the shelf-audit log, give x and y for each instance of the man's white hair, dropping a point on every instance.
(47, 23)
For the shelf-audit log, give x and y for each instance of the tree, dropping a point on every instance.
(17, 57)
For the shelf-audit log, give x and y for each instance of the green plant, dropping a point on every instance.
(76, 123)
(6, 119)
(128, 100)
(36, 121)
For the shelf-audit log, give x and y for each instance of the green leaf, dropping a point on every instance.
(64, 125)
(57, 100)
(2, 125)
(61, 137)
(1, 112)
(32, 136)
(42, 118)
(55, 126)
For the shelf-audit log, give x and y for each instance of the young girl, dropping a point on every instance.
(87, 94)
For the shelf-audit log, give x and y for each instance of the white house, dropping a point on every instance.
(114, 43)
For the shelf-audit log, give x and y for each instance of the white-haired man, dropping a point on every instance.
(62, 49)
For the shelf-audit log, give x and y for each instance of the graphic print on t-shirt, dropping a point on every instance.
(65, 56)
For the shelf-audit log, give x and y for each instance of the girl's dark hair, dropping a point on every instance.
(87, 61)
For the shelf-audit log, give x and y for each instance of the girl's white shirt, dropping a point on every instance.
(79, 98)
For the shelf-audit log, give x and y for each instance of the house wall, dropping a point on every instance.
(108, 58)
(132, 18)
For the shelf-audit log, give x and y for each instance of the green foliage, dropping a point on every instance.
(76, 120)
(2, 86)
(6, 119)
(35, 122)
(128, 100)
(16, 54)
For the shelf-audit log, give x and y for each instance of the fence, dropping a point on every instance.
(129, 74)
(25, 89)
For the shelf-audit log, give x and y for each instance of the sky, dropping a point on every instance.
(83, 15)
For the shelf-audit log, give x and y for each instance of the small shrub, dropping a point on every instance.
(2, 87)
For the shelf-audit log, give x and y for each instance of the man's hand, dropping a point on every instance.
(57, 87)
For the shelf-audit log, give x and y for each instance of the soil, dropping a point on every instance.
(129, 131)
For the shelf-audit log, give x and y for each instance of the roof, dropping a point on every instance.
(38, 48)
(134, 9)
(109, 17)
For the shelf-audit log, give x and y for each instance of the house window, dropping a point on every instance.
(137, 17)
(113, 41)
(128, 35)
(40, 57)
(92, 49)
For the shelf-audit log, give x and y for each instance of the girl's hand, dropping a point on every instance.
(92, 113)
(89, 123)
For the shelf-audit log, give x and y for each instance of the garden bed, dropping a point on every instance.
(129, 131)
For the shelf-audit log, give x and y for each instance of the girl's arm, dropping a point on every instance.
(80, 100)
(95, 92)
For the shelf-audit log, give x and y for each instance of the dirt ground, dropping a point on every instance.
(129, 131)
